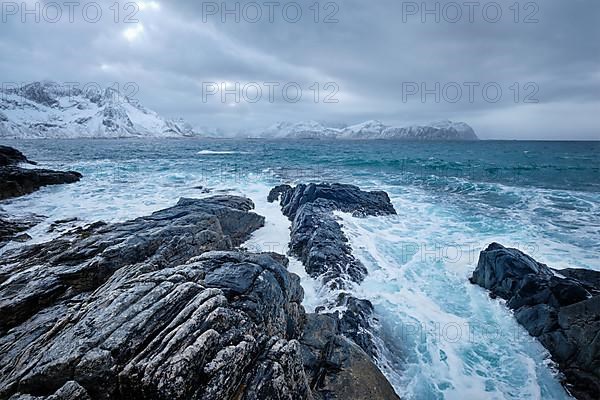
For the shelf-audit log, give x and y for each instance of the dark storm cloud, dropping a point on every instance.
(548, 71)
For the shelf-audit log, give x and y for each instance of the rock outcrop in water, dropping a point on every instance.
(560, 308)
(16, 181)
(318, 241)
(12, 229)
(165, 307)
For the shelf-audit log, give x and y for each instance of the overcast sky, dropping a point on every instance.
(370, 59)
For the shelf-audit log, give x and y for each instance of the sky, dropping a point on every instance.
(511, 69)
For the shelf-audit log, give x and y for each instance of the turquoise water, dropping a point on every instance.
(439, 336)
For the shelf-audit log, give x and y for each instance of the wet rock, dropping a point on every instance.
(148, 309)
(347, 198)
(339, 349)
(11, 228)
(164, 307)
(561, 309)
(317, 238)
(337, 368)
(10, 156)
(36, 276)
(16, 181)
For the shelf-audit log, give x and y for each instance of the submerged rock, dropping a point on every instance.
(562, 310)
(16, 181)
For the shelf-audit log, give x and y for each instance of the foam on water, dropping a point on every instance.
(439, 336)
(220, 152)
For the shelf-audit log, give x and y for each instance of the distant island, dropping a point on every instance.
(444, 130)
(48, 110)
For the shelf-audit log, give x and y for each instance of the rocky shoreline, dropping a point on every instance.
(171, 306)
(165, 306)
(561, 308)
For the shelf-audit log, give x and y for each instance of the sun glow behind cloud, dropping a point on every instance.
(134, 32)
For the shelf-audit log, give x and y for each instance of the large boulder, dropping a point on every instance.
(559, 307)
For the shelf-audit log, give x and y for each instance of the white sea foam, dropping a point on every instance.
(220, 152)
(418, 266)
(439, 336)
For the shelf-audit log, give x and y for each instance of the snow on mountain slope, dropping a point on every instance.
(366, 130)
(299, 130)
(51, 110)
(444, 130)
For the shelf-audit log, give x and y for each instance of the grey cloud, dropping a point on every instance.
(369, 53)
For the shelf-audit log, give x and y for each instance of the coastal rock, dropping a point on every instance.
(11, 229)
(316, 236)
(164, 307)
(337, 368)
(36, 276)
(11, 156)
(16, 181)
(148, 309)
(560, 308)
(338, 347)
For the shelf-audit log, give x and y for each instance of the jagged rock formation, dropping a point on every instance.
(560, 308)
(16, 181)
(318, 241)
(164, 307)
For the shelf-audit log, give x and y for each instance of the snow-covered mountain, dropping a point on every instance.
(50, 110)
(366, 130)
(298, 130)
(444, 130)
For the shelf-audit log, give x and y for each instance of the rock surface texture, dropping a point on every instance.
(338, 345)
(560, 308)
(165, 307)
(16, 181)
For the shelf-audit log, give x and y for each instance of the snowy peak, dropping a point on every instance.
(366, 130)
(444, 130)
(50, 110)
(298, 130)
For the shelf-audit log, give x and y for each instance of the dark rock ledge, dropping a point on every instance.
(318, 241)
(165, 307)
(16, 181)
(561, 311)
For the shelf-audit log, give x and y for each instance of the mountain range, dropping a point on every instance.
(444, 130)
(50, 110)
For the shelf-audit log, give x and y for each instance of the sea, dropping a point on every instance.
(438, 336)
